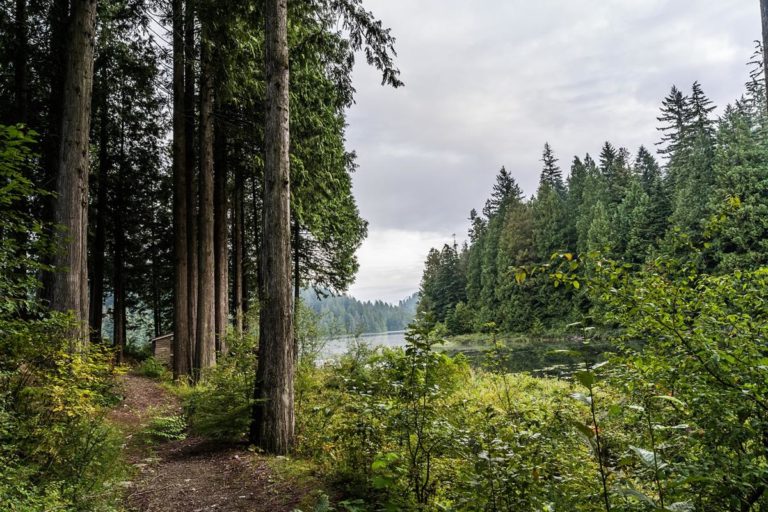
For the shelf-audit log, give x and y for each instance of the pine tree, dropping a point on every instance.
(505, 189)
(740, 198)
(594, 191)
(600, 234)
(551, 176)
(516, 249)
(652, 182)
(633, 234)
(70, 284)
(675, 115)
(690, 171)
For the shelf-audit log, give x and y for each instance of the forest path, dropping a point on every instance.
(193, 474)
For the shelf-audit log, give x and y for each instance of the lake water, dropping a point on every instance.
(543, 357)
(338, 346)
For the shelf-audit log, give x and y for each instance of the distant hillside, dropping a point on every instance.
(347, 315)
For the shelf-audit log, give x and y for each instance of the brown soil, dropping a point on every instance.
(194, 475)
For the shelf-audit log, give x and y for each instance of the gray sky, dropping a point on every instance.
(489, 81)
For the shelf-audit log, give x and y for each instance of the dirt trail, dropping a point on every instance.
(193, 475)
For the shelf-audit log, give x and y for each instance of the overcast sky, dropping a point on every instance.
(489, 81)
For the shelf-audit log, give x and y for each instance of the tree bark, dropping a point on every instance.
(221, 234)
(156, 313)
(118, 263)
(100, 236)
(189, 160)
(181, 335)
(119, 307)
(237, 253)
(20, 58)
(296, 283)
(272, 427)
(59, 15)
(206, 321)
(70, 284)
(764, 18)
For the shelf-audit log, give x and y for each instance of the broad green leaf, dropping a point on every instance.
(634, 493)
(585, 378)
(646, 456)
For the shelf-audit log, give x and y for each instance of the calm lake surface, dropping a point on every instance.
(335, 347)
(540, 356)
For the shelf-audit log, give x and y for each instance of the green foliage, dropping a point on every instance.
(219, 406)
(21, 232)
(56, 450)
(153, 369)
(710, 329)
(166, 428)
(416, 429)
(710, 191)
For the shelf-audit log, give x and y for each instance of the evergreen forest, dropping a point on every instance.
(697, 195)
(340, 315)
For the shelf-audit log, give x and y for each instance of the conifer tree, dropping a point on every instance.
(690, 169)
(551, 176)
(675, 115)
(516, 249)
(740, 197)
(70, 283)
(652, 182)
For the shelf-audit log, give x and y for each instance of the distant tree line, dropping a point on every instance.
(710, 191)
(340, 315)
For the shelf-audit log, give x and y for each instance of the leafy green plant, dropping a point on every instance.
(166, 428)
(56, 449)
(153, 369)
(220, 405)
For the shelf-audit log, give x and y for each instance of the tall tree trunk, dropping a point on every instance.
(20, 113)
(220, 243)
(205, 355)
(764, 18)
(157, 317)
(70, 284)
(296, 284)
(237, 252)
(296, 261)
(59, 15)
(119, 307)
(20, 58)
(272, 428)
(189, 160)
(181, 335)
(100, 235)
(255, 261)
(118, 264)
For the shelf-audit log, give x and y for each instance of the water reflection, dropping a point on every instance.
(335, 347)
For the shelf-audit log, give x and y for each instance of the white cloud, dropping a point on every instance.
(391, 262)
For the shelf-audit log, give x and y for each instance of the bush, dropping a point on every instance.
(220, 405)
(153, 369)
(56, 450)
(415, 429)
(166, 428)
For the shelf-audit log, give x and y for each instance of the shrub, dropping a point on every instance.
(415, 429)
(55, 447)
(153, 369)
(166, 428)
(220, 405)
